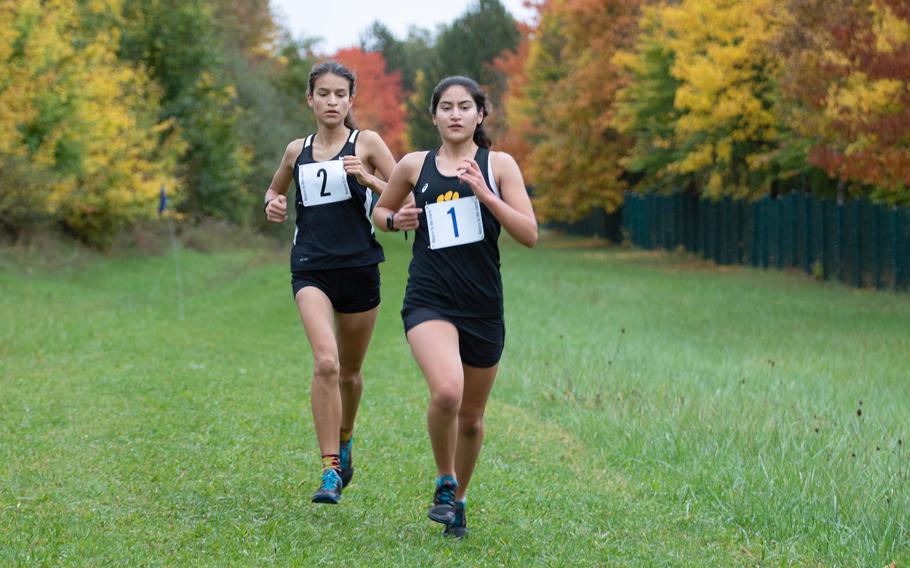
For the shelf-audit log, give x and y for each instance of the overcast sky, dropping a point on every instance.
(341, 23)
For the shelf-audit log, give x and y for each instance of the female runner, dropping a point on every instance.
(334, 258)
(453, 304)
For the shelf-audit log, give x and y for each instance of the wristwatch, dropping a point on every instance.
(390, 222)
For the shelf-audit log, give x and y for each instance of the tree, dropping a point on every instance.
(726, 129)
(404, 56)
(84, 121)
(468, 46)
(179, 43)
(645, 107)
(570, 99)
(511, 128)
(846, 77)
(378, 100)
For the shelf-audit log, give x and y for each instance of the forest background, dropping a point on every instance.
(105, 104)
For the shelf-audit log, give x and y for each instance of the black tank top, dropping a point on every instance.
(461, 281)
(333, 231)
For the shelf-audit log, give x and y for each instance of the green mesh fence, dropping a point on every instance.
(857, 242)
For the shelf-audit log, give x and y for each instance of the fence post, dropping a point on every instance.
(841, 243)
(896, 252)
(858, 232)
(765, 232)
(715, 229)
(877, 252)
(823, 229)
(808, 253)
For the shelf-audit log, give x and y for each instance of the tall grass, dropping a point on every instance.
(651, 409)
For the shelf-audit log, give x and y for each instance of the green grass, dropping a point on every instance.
(650, 410)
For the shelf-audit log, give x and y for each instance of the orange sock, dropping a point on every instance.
(331, 461)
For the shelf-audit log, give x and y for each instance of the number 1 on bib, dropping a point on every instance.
(454, 223)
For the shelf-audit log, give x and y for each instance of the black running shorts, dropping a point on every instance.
(351, 290)
(480, 340)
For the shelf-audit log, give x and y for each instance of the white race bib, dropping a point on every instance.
(454, 223)
(323, 182)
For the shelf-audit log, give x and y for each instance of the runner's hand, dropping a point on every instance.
(353, 166)
(407, 218)
(277, 209)
(470, 174)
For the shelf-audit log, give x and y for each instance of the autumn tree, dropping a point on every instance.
(378, 100)
(467, 46)
(511, 127)
(725, 127)
(83, 123)
(570, 99)
(846, 76)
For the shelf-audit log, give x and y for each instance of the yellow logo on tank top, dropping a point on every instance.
(447, 196)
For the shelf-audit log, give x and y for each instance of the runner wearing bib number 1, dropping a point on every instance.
(453, 305)
(334, 258)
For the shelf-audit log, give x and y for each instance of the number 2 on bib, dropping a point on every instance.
(323, 182)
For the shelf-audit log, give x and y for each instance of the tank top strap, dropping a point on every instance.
(350, 145)
(486, 155)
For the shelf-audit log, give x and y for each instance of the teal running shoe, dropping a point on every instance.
(443, 509)
(330, 490)
(347, 461)
(458, 528)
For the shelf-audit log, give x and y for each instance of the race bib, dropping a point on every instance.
(323, 182)
(454, 223)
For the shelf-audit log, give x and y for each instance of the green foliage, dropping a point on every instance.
(645, 109)
(179, 43)
(406, 56)
(468, 46)
(82, 122)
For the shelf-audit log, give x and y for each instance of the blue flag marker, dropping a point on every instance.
(162, 201)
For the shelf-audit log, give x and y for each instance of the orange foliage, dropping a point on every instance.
(848, 72)
(378, 97)
(566, 109)
(512, 129)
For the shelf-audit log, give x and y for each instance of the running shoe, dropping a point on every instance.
(330, 490)
(443, 509)
(347, 462)
(458, 528)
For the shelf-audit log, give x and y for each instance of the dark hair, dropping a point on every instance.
(334, 68)
(480, 99)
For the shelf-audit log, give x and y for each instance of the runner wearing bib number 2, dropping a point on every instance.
(334, 259)
(453, 305)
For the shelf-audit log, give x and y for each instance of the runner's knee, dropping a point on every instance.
(326, 368)
(470, 427)
(446, 399)
(350, 376)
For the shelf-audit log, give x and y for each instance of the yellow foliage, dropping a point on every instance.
(723, 61)
(892, 34)
(859, 96)
(97, 117)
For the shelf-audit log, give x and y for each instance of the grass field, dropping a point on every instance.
(651, 410)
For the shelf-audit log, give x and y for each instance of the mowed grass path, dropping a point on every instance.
(650, 410)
